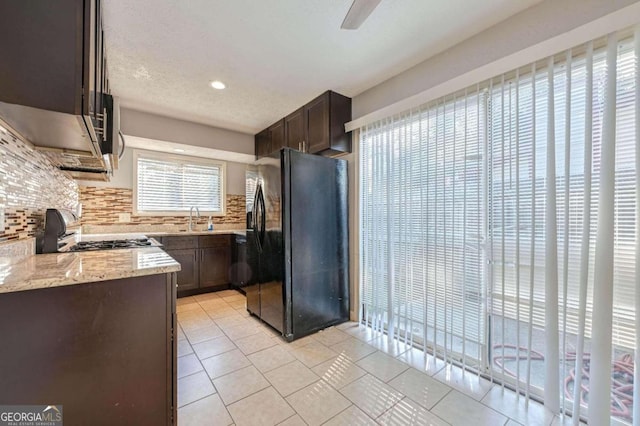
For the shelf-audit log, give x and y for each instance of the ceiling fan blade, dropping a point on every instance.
(358, 13)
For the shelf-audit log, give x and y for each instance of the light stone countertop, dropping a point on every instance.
(60, 269)
(196, 233)
(162, 230)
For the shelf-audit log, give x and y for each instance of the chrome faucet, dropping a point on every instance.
(191, 217)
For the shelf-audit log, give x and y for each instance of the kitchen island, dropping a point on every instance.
(93, 332)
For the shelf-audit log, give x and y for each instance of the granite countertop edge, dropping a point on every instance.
(62, 269)
(41, 271)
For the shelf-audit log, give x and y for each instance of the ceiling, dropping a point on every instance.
(273, 55)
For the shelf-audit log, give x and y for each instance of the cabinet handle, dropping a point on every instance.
(304, 146)
(299, 146)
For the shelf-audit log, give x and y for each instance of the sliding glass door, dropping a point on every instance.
(421, 220)
(486, 219)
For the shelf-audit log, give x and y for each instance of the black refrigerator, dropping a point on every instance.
(298, 242)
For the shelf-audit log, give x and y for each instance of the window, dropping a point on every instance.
(250, 187)
(488, 217)
(170, 185)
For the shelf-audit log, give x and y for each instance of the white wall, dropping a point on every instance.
(152, 126)
(527, 28)
(123, 177)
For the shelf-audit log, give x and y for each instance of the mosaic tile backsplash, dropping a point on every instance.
(102, 206)
(29, 184)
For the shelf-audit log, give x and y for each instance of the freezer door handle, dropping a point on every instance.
(254, 215)
(263, 219)
(259, 218)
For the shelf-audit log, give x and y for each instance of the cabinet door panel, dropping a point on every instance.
(45, 61)
(263, 143)
(277, 136)
(294, 129)
(316, 114)
(214, 266)
(188, 275)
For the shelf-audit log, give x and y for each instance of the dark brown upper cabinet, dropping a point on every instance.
(317, 127)
(53, 75)
(294, 125)
(325, 117)
(263, 143)
(276, 131)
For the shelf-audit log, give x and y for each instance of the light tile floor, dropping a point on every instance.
(233, 369)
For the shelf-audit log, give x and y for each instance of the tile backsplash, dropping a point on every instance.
(29, 184)
(102, 206)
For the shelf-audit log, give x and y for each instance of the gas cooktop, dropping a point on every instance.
(112, 244)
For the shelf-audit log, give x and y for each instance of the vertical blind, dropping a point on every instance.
(175, 185)
(498, 228)
(421, 221)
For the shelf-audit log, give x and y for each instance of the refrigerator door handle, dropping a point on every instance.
(258, 218)
(254, 209)
(263, 219)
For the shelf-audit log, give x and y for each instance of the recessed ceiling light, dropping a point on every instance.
(218, 85)
(178, 149)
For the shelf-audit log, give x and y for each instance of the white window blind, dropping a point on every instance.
(251, 178)
(421, 226)
(498, 226)
(173, 184)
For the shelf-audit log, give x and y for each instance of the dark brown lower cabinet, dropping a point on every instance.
(214, 266)
(188, 260)
(205, 262)
(105, 351)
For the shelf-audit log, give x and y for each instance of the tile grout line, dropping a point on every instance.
(252, 365)
(389, 409)
(351, 405)
(284, 365)
(438, 401)
(204, 369)
(292, 416)
(507, 416)
(274, 368)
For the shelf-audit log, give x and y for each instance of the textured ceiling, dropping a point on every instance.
(274, 55)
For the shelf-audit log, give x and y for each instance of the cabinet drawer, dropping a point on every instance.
(180, 242)
(207, 241)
